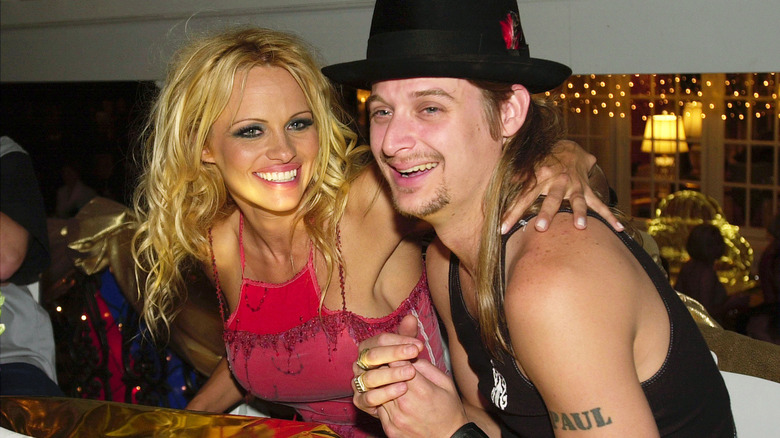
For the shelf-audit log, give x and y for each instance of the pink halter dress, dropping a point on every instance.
(282, 350)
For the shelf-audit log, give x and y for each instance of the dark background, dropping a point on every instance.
(93, 126)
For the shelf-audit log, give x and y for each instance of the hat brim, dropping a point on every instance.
(537, 75)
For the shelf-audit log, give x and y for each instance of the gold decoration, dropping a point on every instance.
(45, 417)
(99, 238)
(677, 214)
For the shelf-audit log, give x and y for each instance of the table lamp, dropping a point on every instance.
(664, 136)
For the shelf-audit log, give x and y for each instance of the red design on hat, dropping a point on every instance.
(509, 29)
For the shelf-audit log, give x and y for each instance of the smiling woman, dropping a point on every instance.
(247, 173)
(264, 142)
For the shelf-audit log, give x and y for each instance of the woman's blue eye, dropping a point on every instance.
(249, 132)
(300, 124)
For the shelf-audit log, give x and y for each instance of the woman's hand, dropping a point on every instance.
(384, 366)
(566, 174)
(410, 396)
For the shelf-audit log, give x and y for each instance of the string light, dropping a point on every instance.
(670, 90)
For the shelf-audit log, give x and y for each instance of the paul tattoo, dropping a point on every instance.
(579, 421)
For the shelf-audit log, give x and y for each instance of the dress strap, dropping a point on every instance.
(341, 271)
(220, 294)
(241, 242)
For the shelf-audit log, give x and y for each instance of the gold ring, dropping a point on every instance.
(361, 360)
(359, 385)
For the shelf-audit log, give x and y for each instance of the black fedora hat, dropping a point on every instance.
(467, 39)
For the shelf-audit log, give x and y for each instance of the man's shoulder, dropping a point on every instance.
(563, 263)
(437, 255)
(437, 263)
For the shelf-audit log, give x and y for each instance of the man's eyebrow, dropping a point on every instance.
(373, 98)
(417, 94)
(434, 92)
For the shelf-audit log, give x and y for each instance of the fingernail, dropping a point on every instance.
(581, 222)
(620, 227)
(503, 228)
(541, 224)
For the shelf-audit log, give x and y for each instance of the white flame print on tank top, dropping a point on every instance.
(498, 394)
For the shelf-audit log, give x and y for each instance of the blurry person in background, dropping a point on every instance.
(73, 194)
(698, 278)
(27, 358)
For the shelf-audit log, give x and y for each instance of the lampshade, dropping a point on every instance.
(692, 118)
(663, 134)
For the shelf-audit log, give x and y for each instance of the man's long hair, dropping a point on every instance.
(513, 176)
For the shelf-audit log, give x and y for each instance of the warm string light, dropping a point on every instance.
(668, 89)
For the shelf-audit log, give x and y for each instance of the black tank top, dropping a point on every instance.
(687, 395)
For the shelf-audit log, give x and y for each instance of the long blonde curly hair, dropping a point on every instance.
(178, 198)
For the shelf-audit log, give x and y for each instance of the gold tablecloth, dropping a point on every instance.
(41, 417)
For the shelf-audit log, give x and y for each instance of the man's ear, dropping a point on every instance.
(206, 155)
(514, 110)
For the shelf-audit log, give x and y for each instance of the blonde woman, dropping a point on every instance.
(250, 174)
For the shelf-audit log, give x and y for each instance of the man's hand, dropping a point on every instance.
(430, 407)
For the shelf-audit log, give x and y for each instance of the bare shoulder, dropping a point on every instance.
(575, 304)
(225, 250)
(367, 192)
(370, 204)
(571, 273)
(225, 231)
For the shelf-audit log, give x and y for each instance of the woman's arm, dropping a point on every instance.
(569, 173)
(14, 238)
(219, 393)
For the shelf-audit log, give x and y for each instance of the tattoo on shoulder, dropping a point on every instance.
(585, 420)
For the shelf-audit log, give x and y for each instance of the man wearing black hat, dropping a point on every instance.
(551, 334)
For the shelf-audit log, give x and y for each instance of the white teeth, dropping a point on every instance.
(278, 176)
(419, 168)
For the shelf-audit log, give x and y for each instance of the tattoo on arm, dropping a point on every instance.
(579, 420)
